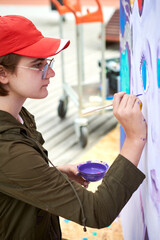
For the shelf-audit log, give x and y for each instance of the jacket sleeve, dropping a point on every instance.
(25, 175)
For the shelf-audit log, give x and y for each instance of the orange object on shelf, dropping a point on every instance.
(96, 16)
(62, 9)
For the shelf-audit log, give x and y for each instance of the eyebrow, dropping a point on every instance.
(37, 59)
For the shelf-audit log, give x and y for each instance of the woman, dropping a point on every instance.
(33, 194)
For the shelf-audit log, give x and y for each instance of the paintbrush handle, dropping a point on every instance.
(97, 109)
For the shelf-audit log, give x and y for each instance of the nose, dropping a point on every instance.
(50, 73)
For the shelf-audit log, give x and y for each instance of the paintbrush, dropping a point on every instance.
(96, 109)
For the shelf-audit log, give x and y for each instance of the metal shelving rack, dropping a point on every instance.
(81, 90)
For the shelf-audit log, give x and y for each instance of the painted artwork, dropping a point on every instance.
(140, 73)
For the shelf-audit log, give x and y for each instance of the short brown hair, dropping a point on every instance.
(10, 62)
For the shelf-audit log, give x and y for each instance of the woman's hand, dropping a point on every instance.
(127, 110)
(73, 174)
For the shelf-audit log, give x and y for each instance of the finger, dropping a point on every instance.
(117, 99)
(82, 181)
(131, 101)
(86, 184)
(124, 101)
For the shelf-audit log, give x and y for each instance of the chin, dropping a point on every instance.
(43, 95)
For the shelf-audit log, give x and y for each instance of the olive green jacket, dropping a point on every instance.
(33, 194)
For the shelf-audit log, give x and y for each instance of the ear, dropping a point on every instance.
(3, 75)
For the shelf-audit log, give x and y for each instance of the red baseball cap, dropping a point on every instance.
(20, 36)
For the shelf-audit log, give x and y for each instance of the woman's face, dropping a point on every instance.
(27, 82)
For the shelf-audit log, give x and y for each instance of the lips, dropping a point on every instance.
(46, 84)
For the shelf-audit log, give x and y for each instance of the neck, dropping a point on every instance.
(11, 106)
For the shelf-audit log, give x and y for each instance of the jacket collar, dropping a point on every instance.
(8, 122)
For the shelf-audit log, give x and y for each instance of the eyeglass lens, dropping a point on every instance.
(45, 69)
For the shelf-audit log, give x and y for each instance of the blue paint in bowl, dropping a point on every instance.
(92, 171)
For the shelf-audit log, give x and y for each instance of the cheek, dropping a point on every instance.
(27, 85)
(32, 89)
(23, 85)
(29, 89)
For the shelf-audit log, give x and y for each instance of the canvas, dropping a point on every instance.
(140, 73)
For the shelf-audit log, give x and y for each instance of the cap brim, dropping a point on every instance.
(44, 48)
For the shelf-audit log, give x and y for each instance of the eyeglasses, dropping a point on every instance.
(45, 68)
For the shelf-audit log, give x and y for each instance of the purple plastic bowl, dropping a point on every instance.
(92, 171)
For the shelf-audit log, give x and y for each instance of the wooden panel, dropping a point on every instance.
(112, 28)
